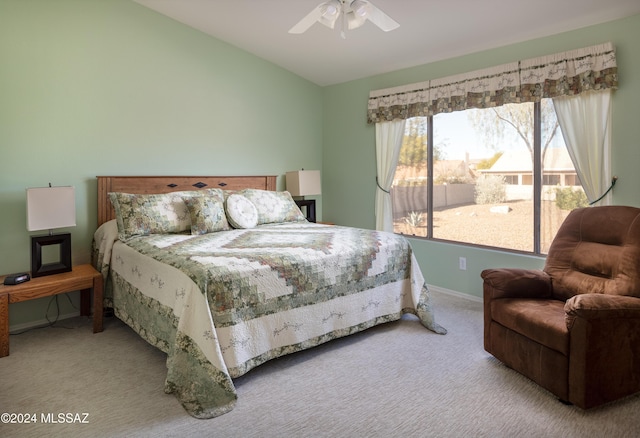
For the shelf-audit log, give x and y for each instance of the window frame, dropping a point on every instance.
(537, 189)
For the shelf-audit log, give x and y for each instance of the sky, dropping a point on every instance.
(454, 129)
(458, 133)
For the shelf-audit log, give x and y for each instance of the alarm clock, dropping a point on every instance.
(13, 279)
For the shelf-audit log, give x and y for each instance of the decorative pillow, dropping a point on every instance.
(143, 214)
(274, 207)
(241, 212)
(207, 214)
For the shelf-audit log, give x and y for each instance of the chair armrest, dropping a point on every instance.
(515, 283)
(601, 306)
(604, 347)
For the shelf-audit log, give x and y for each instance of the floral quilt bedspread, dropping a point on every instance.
(222, 303)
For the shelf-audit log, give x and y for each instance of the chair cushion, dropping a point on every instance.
(540, 320)
(596, 250)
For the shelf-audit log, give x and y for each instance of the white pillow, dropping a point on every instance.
(241, 213)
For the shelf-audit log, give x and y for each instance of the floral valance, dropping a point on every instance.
(562, 74)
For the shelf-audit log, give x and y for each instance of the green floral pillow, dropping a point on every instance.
(274, 207)
(207, 214)
(143, 214)
(241, 212)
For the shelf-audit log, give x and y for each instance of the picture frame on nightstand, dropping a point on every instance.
(60, 264)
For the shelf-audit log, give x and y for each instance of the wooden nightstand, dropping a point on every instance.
(82, 278)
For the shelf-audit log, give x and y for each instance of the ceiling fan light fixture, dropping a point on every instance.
(330, 11)
(358, 14)
(353, 13)
(360, 8)
(353, 21)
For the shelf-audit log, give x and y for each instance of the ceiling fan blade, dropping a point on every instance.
(380, 19)
(308, 21)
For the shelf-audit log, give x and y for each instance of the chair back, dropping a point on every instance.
(596, 250)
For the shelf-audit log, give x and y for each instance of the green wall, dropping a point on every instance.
(349, 145)
(95, 87)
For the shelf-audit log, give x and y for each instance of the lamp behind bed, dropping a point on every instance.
(305, 183)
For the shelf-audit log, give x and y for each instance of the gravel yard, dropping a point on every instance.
(475, 223)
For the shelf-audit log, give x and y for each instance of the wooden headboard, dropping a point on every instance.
(166, 184)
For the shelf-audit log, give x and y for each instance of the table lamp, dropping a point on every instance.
(49, 208)
(305, 183)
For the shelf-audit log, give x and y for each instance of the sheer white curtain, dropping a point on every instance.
(585, 121)
(388, 142)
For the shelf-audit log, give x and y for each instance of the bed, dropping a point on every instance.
(225, 273)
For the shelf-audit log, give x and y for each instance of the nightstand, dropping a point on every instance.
(82, 278)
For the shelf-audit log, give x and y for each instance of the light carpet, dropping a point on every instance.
(395, 380)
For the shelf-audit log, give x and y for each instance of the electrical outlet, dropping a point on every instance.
(462, 262)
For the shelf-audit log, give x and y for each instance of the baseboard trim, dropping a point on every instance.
(40, 323)
(454, 293)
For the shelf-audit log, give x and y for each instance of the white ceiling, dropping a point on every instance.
(430, 30)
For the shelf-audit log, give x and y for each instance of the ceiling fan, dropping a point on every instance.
(354, 13)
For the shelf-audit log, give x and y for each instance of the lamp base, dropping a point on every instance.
(310, 206)
(63, 264)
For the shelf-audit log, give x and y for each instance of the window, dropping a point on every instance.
(550, 180)
(484, 164)
(522, 132)
(511, 179)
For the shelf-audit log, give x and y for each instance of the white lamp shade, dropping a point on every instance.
(50, 207)
(304, 182)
